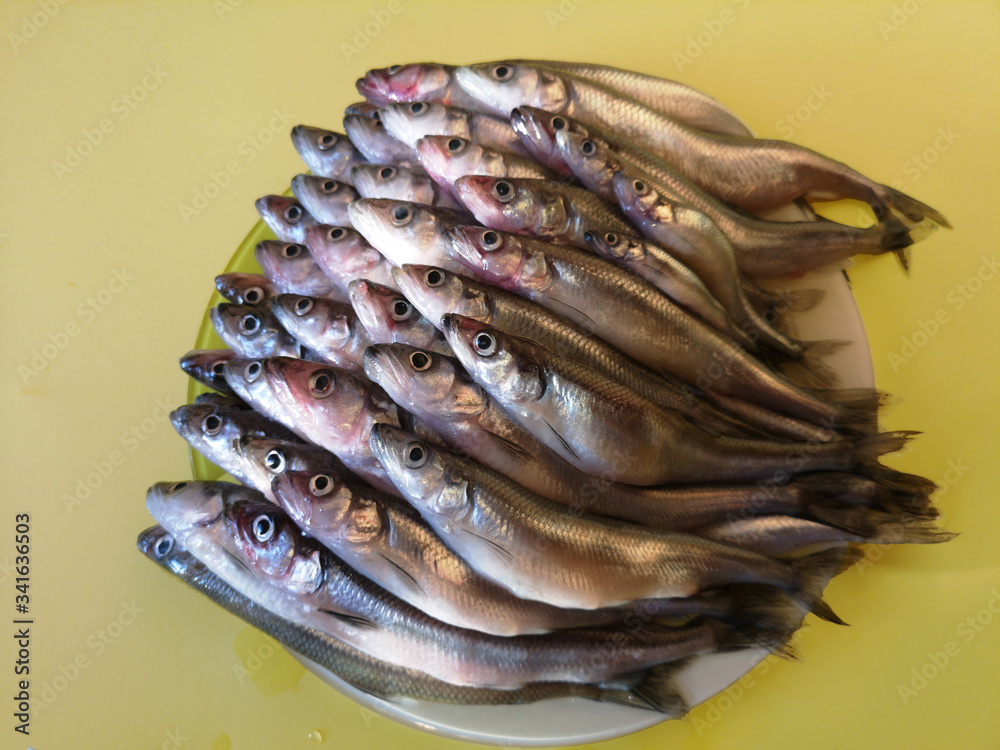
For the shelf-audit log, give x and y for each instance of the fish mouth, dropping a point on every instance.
(362, 297)
(472, 192)
(383, 368)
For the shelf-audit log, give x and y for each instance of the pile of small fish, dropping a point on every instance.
(511, 419)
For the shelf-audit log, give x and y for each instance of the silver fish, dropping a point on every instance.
(292, 270)
(391, 318)
(415, 82)
(331, 330)
(261, 460)
(344, 255)
(324, 198)
(325, 152)
(244, 288)
(253, 331)
(540, 551)
(400, 183)
(378, 146)
(412, 121)
(285, 216)
(206, 366)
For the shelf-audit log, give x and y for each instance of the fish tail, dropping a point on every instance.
(759, 297)
(879, 527)
(896, 238)
(807, 368)
(867, 452)
(912, 209)
(813, 573)
(765, 607)
(827, 486)
(657, 690)
(737, 636)
(857, 408)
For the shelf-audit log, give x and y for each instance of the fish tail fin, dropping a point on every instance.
(768, 608)
(850, 489)
(896, 238)
(813, 573)
(912, 209)
(737, 636)
(879, 527)
(869, 449)
(857, 408)
(657, 690)
(807, 368)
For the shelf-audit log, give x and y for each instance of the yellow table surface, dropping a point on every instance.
(106, 274)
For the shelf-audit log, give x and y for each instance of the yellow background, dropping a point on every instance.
(896, 75)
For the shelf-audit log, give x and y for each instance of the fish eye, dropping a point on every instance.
(418, 108)
(558, 123)
(434, 277)
(275, 461)
(252, 371)
(321, 484)
(377, 123)
(455, 145)
(401, 309)
(253, 295)
(219, 368)
(249, 323)
(321, 383)
(211, 425)
(326, 141)
(401, 215)
(290, 252)
(387, 173)
(491, 240)
(640, 187)
(485, 344)
(415, 455)
(293, 213)
(420, 361)
(588, 147)
(502, 73)
(178, 486)
(163, 547)
(263, 527)
(303, 306)
(393, 69)
(336, 233)
(611, 238)
(330, 186)
(503, 191)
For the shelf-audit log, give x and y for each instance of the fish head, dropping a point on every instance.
(327, 405)
(402, 231)
(419, 471)
(207, 428)
(410, 121)
(182, 506)
(363, 109)
(324, 198)
(265, 458)
(589, 160)
(502, 259)
(495, 360)
(406, 83)
(388, 316)
(286, 263)
(637, 198)
(207, 366)
(325, 152)
(501, 87)
(159, 545)
(375, 143)
(537, 130)
(311, 498)
(436, 291)
(244, 288)
(313, 319)
(614, 246)
(448, 157)
(522, 206)
(285, 216)
(389, 181)
(341, 252)
(249, 330)
(246, 377)
(272, 546)
(423, 381)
